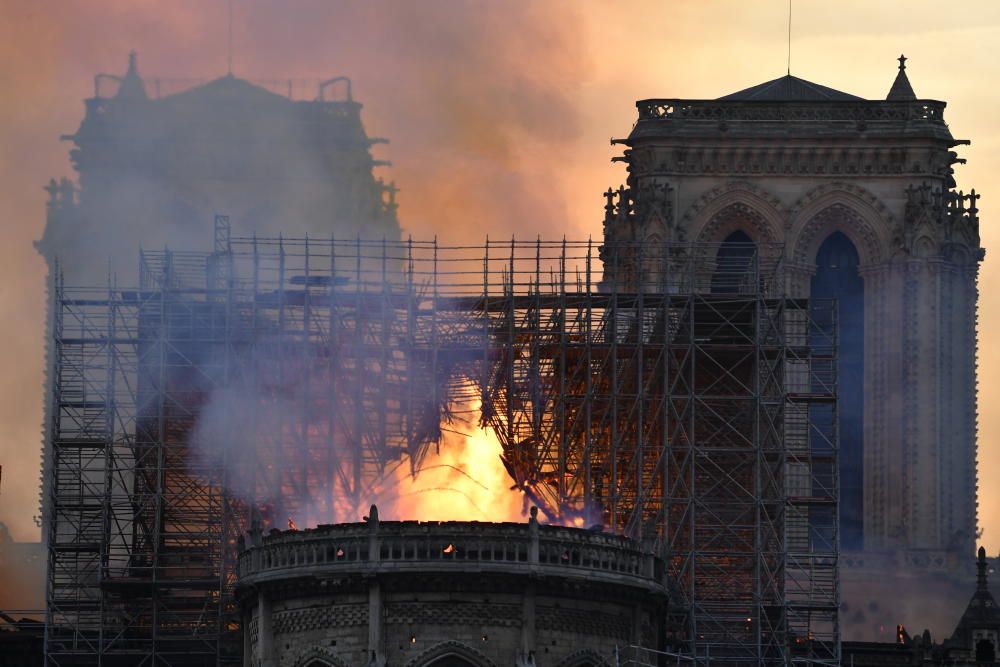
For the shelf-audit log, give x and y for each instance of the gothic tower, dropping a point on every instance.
(153, 170)
(859, 200)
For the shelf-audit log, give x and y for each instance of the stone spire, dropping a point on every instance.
(901, 89)
(131, 86)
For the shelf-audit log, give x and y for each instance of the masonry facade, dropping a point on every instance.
(858, 198)
(448, 594)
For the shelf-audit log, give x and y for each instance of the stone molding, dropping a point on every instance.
(450, 648)
(837, 218)
(300, 620)
(705, 225)
(861, 216)
(307, 655)
(584, 658)
(448, 613)
(854, 162)
(455, 547)
(584, 620)
(876, 111)
(848, 191)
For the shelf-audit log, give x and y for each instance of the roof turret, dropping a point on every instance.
(131, 86)
(901, 89)
(982, 612)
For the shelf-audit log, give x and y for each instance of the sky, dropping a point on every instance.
(499, 115)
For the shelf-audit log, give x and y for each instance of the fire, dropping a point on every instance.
(463, 479)
(460, 478)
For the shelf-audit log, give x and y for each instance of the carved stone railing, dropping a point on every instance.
(411, 546)
(930, 111)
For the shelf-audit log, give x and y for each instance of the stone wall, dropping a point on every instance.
(416, 593)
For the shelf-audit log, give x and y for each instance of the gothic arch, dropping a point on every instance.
(317, 654)
(656, 228)
(702, 218)
(924, 247)
(450, 648)
(584, 658)
(959, 255)
(846, 208)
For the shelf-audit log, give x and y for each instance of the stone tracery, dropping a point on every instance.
(837, 217)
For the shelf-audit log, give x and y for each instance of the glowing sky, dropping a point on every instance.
(499, 115)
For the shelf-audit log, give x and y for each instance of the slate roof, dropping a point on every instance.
(230, 90)
(901, 88)
(789, 89)
(982, 612)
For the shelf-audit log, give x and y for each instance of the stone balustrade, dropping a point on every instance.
(399, 546)
(413, 593)
(858, 111)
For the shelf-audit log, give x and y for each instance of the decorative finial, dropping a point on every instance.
(902, 61)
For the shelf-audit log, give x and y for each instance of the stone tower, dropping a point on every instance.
(859, 200)
(154, 170)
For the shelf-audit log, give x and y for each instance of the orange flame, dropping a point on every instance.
(463, 479)
(291, 524)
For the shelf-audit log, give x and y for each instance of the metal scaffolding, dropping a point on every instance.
(291, 377)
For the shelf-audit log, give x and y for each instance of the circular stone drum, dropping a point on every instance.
(449, 594)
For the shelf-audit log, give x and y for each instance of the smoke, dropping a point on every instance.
(872, 607)
(22, 574)
(477, 99)
(487, 94)
(312, 443)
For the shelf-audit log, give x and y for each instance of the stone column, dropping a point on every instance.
(247, 622)
(957, 447)
(265, 634)
(923, 418)
(376, 645)
(883, 407)
(376, 653)
(526, 655)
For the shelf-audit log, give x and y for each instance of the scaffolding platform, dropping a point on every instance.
(274, 378)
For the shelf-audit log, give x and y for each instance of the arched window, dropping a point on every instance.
(985, 651)
(451, 661)
(733, 264)
(837, 277)
(584, 658)
(319, 657)
(450, 654)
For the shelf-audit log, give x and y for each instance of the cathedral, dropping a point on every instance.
(857, 198)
